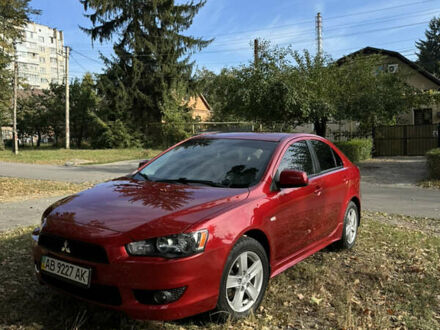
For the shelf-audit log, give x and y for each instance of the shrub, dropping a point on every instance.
(356, 149)
(112, 135)
(433, 162)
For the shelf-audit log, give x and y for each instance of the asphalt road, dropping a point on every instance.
(76, 174)
(388, 185)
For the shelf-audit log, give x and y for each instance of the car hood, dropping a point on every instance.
(141, 209)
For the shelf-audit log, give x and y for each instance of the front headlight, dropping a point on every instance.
(174, 246)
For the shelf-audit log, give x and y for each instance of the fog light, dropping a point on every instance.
(162, 297)
(158, 297)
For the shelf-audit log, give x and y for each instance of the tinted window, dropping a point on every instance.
(224, 162)
(337, 159)
(325, 155)
(297, 157)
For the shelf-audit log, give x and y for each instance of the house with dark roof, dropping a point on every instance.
(417, 77)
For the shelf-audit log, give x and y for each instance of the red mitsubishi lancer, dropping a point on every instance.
(202, 226)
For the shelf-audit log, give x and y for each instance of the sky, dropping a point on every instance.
(348, 25)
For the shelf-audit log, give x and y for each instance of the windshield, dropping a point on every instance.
(216, 162)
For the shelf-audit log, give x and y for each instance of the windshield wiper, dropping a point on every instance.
(186, 181)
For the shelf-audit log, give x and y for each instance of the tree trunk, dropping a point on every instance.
(321, 126)
(38, 139)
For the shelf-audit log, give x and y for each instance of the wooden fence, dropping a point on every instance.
(405, 140)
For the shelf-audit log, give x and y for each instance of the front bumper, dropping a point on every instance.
(113, 283)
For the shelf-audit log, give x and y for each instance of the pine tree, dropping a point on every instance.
(152, 55)
(429, 49)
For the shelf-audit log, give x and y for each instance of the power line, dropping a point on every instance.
(300, 41)
(79, 64)
(385, 18)
(328, 18)
(87, 57)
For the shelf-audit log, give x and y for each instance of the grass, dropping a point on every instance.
(430, 183)
(12, 189)
(76, 156)
(391, 279)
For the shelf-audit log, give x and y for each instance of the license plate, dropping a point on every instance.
(66, 270)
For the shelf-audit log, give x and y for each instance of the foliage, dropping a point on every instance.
(217, 88)
(356, 149)
(373, 96)
(429, 49)
(32, 115)
(433, 162)
(152, 57)
(111, 135)
(83, 105)
(296, 88)
(14, 14)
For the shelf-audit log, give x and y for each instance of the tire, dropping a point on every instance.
(351, 225)
(246, 291)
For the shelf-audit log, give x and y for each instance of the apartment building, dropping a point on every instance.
(41, 56)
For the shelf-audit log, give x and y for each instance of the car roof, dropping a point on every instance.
(274, 137)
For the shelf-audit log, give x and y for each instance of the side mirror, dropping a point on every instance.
(293, 179)
(143, 162)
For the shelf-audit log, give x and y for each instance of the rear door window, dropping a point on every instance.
(325, 155)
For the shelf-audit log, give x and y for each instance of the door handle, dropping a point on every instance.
(318, 190)
(345, 179)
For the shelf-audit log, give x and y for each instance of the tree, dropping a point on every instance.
(429, 49)
(372, 96)
(296, 88)
(152, 55)
(32, 115)
(216, 89)
(84, 102)
(14, 15)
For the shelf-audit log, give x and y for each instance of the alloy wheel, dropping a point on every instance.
(244, 281)
(351, 225)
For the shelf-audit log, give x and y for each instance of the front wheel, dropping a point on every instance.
(244, 279)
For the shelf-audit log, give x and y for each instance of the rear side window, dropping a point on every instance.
(298, 158)
(338, 159)
(325, 155)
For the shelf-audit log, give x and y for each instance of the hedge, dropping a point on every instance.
(433, 162)
(356, 149)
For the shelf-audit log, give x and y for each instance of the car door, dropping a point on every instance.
(295, 209)
(332, 180)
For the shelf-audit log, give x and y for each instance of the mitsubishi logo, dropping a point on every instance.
(66, 247)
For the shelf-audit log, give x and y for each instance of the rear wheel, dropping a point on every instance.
(244, 279)
(351, 224)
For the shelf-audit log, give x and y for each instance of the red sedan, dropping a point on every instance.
(202, 226)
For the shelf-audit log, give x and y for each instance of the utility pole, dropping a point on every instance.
(256, 56)
(66, 71)
(14, 128)
(319, 34)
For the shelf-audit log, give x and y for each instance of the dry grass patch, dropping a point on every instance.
(13, 189)
(391, 280)
(430, 184)
(80, 156)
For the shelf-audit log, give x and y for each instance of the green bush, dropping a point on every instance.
(433, 162)
(356, 149)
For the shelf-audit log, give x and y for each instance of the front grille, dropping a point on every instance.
(104, 294)
(80, 250)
